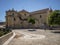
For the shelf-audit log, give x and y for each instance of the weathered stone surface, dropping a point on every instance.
(16, 19)
(50, 37)
(5, 38)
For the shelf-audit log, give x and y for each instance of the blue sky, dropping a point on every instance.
(29, 5)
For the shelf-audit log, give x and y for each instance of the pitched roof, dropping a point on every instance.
(40, 11)
(23, 11)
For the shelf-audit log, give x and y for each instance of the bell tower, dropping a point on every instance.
(10, 18)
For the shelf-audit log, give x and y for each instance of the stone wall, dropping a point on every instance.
(19, 19)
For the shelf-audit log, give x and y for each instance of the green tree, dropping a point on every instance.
(54, 18)
(31, 20)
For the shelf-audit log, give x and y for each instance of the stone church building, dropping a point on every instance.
(19, 19)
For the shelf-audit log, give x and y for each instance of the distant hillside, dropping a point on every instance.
(2, 23)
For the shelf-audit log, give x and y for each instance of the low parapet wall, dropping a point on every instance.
(5, 38)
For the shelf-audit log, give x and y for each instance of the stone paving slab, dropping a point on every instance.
(50, 38)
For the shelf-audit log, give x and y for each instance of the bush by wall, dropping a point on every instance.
(4, 31)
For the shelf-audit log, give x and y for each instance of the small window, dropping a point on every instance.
(40, 16)
(14, 19)
(12, 13)
(25, 19)
(30, 15)
(25, 14)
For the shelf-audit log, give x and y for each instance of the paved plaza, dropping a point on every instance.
(37, 37)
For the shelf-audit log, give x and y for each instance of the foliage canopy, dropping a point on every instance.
(54, 18)
(31, 20)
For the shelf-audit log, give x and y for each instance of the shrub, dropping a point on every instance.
(4, 31)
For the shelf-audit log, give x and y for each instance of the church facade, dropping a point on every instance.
(19, 19)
